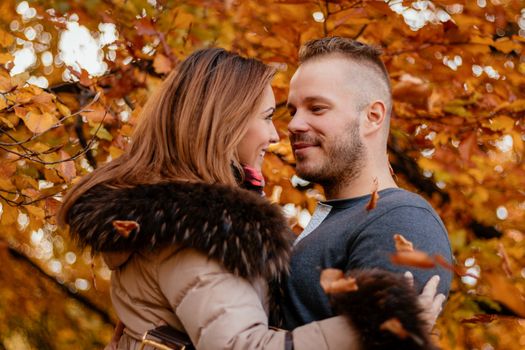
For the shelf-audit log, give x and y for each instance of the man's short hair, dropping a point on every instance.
(356, 51)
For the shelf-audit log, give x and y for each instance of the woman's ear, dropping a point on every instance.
(375, 118)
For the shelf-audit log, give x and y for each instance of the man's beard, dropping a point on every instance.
(345, 158)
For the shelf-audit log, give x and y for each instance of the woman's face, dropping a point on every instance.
(260, 134)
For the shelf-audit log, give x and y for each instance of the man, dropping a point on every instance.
(340, 102)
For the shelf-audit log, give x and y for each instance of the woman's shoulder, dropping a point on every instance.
(244, 232)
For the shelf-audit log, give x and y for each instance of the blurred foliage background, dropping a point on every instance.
(75, 73)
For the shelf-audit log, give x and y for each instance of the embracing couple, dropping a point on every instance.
(192, 243)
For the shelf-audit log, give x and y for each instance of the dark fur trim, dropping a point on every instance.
(382, 296)
(241, 230)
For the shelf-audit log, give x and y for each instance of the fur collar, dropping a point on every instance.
(249, 236)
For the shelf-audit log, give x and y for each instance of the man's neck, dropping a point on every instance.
(360, 186)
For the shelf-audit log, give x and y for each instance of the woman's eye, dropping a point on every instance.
(269, 117)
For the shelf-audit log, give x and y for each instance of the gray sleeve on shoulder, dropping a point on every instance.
(374, 244)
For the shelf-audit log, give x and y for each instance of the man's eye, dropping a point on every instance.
(317, 109)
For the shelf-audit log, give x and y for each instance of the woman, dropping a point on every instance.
(188, 246)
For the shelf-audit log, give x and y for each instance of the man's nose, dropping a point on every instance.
(297, 124)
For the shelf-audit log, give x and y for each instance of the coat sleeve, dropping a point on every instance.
(222, 311)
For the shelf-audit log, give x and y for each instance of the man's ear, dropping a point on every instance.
(375, 118)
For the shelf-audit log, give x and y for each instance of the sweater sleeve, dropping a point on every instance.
(375, 245)
(222, 311)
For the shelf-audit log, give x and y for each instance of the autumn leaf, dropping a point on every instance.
(162, 64)
(394, 326)
(38, 123)
(6, 57)
(414, 258)
(403, 244)
(124, 227)
(374, 197)
(333, 281)
(66, 168)
(97, 113)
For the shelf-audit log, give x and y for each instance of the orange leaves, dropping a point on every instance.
(414, 258)
(333, 281)
(504, 291)
(67, 167)
(38, 123)
(124, 227)
(162, 64)
(403, 244)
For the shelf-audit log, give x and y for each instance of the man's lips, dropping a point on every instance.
(301, 145)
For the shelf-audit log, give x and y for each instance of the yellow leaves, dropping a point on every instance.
(429, 164)
(115, 152)
(9, 214)
(480, 195)
(6, 57)
(6, 39)
(333, 281)
(271, 42)
(63, 109)
(456, 109)
(39, 123)
(35, 212)
(183, 20)
(162, 64)
(503, 290)
(515, 106)
(502, 122)
(506, 45)
(101, 133)
(124, 227)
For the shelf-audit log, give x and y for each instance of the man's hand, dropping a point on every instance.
(431, 302)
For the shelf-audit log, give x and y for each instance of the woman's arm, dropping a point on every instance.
(222, 311)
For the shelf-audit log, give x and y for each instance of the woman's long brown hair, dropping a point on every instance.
(190, 128)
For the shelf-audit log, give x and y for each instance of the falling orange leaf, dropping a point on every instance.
(124, 227)
(375, 196)
(403, 244)
(414, 258)
(394, 326)
(333, 281)
(457, 269)
(330, 275)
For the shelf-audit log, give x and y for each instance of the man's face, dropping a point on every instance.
(324, 130)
